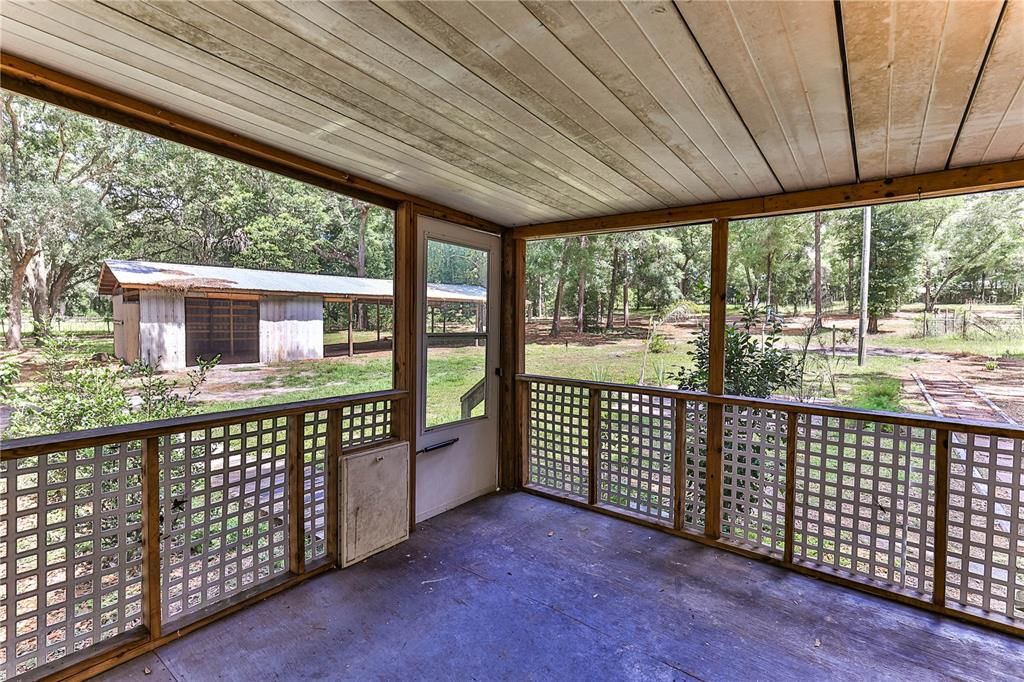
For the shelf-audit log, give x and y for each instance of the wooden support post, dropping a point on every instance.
(593, 444)
(350, 348)
(678, 462)
(941, 515)
(296, 493)
(331, 493)
(378, 322)
(405, 329)
(151, 536)
(514, 407)
(791, 429)
(716, 377)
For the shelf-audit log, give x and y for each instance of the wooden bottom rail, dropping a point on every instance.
(797, 566)
(123, 652)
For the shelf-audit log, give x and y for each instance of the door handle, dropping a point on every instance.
(437, 446)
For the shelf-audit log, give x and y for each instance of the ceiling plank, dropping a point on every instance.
(780, 63)
(912, 68)
(37, 81)
(993, 129)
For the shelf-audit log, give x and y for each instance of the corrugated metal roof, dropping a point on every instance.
(147, 274)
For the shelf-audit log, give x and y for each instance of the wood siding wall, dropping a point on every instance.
(291, 328)
(162, 328)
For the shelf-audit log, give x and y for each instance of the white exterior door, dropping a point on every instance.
(457, 349)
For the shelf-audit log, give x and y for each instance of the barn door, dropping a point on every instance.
(457, 317)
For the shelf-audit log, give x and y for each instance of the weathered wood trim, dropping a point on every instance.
(404, 334)
(34, 80)
(941, 515)
(94, 665)
(333, 466)
(716, 377)
(42, 445)
(920, 421)
(983, 178)
(791, 429)
(296, 515)
(151, 535)
(593, 444)
(513, 341)
(679, 461)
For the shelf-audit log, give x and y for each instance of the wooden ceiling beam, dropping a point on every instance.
(983, 178)
(34, 80)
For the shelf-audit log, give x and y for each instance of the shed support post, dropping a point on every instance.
(350, 349)
(378, 322)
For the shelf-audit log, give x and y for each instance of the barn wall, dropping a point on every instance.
(118, 301)
(291, 328)
(162, 329)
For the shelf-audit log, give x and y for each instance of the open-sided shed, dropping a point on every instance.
(168, 314)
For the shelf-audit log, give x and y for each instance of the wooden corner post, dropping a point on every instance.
(716, 376)
(513, 340)
(404, 411)
(151, 536)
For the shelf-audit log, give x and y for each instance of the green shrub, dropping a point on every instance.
(877, 393)
(752, 367)
(660, 344)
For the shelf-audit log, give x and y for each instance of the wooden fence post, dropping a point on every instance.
(716, 378)
(679, 462)
(941, 515)
(151, 536)
(331, 503)
(791, 429)
(296, 494)
(593, 443)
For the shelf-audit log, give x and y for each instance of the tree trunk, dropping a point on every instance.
(364, 217)
(849, 286)
(872, 324)
(18, 269)
(625, 304)
(36, 278)
(817, 269)
(768, 291)
(556, 308)
(581, 293)
(612, 288)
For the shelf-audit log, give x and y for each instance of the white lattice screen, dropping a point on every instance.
(985, 559)
(754, 478)
(314, 484)
(695, 468)
(864, 500)
(635, 456)
(558, 438)
(70, 554)
(224, 512)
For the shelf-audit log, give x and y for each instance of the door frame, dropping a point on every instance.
(436, 229)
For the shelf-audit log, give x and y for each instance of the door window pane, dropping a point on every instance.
(455, 325)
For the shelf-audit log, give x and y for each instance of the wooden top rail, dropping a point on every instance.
(43, 445)
(984, 428)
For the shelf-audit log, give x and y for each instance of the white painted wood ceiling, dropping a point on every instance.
(526, 112)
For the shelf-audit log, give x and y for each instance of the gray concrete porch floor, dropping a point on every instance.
(516, 587)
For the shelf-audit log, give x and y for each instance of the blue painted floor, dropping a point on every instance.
(515, 587)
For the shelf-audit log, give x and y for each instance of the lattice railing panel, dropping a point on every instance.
(864, 500)
(558, 438)
(70, 553)
(754, 478)
(985, 549)
(695, 467)
(224, 507)
(314, 483)
(366, 423)
(635, 456)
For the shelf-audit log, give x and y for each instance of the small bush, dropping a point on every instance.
(991, 365)
(877, 393)
(660, 344)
